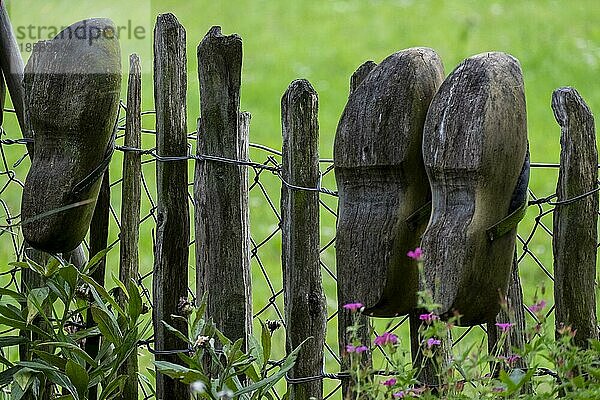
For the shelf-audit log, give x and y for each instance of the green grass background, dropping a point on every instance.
(557, 43)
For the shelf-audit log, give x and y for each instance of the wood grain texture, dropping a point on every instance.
(575, 225)
(170, 279)
(381, 182)
(304, 300)
(130, 206)
(12, 67)
(221, 189)
(474, 148)
(72, 91)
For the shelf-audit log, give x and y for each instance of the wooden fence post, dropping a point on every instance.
(98, 242)
(130, 206)
(221, 189)
(305, 312)
(170, 280)
(575, 237)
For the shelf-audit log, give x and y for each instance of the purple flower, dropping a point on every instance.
(536, 308)
(389, 382)
(386, 338)
(433, 342)
(361, 349)
(350, 348)
(428, 317)
(498, 389)
(415, 254)
(399, 395)
(353, 306)
(504, 326)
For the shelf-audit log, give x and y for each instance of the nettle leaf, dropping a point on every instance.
(35, 299)
(181, 373)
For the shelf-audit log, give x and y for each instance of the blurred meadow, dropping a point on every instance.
(557, 43)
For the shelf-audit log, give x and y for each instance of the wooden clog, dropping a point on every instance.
(383, 189)
(476, 155)
(72, 88)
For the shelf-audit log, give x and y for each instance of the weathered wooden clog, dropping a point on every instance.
(383, 189)
(72, 89)
(476, 155)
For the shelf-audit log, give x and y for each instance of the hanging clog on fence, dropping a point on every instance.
(72, 90)
(476, 155)
(383, 190)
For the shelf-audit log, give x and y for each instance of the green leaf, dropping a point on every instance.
(78, 376)
(13, 323)
(51, 267)
(267, 383)
(266, 343)
(35, 299)
(103, 293)
(108, 325)
(11, 293)
(63, 381)
(50, 358)
(181, 373)
(93, 263)
(176, 332)
(135, 302)
(70, 274)
(23, 378)
(256, 350)
(114, 388)
(7, 376)
(11, 312)
(7, 341)
(120, 284)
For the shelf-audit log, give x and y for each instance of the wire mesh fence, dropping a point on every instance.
(534, 240)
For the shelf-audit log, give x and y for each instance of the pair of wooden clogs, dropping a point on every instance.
(440, 164)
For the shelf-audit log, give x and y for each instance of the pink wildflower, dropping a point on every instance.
(353, 306)
(361, 349)
(389, 382)
(513, 358)
(433, 342)
(399, 395)
(415, 254)
(350, 348)
(386, 338)
(536, 308)
(428, 317)
(504, 326)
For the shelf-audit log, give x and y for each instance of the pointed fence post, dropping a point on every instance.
(170, 279)
(575, 237)
(130, 206)
(221, 188)
(305, 311)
